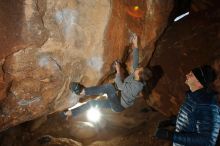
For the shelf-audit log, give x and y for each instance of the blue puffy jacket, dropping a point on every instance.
(198, 120)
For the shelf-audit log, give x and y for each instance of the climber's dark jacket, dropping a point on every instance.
(198, 120)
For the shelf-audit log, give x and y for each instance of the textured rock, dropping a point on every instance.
(48, 140)
(78, 127)
(148, 27)
(188, 43)
(134, 126)
(142, 135)
(51, 43)
(48, 53)
(70, 128)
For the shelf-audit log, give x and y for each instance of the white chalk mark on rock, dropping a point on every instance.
(66, 18)
(95, 63)
(25, 102)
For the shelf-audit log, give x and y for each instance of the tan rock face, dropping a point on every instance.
(47, 44)
(59, 41)
(148, 27)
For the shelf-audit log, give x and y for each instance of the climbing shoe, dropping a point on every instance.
(76, 87)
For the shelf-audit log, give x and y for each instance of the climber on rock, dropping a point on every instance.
(122, 93)
(198, 121)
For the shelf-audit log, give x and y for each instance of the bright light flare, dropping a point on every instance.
(93, 114)
(181, 16)
(136, 8)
